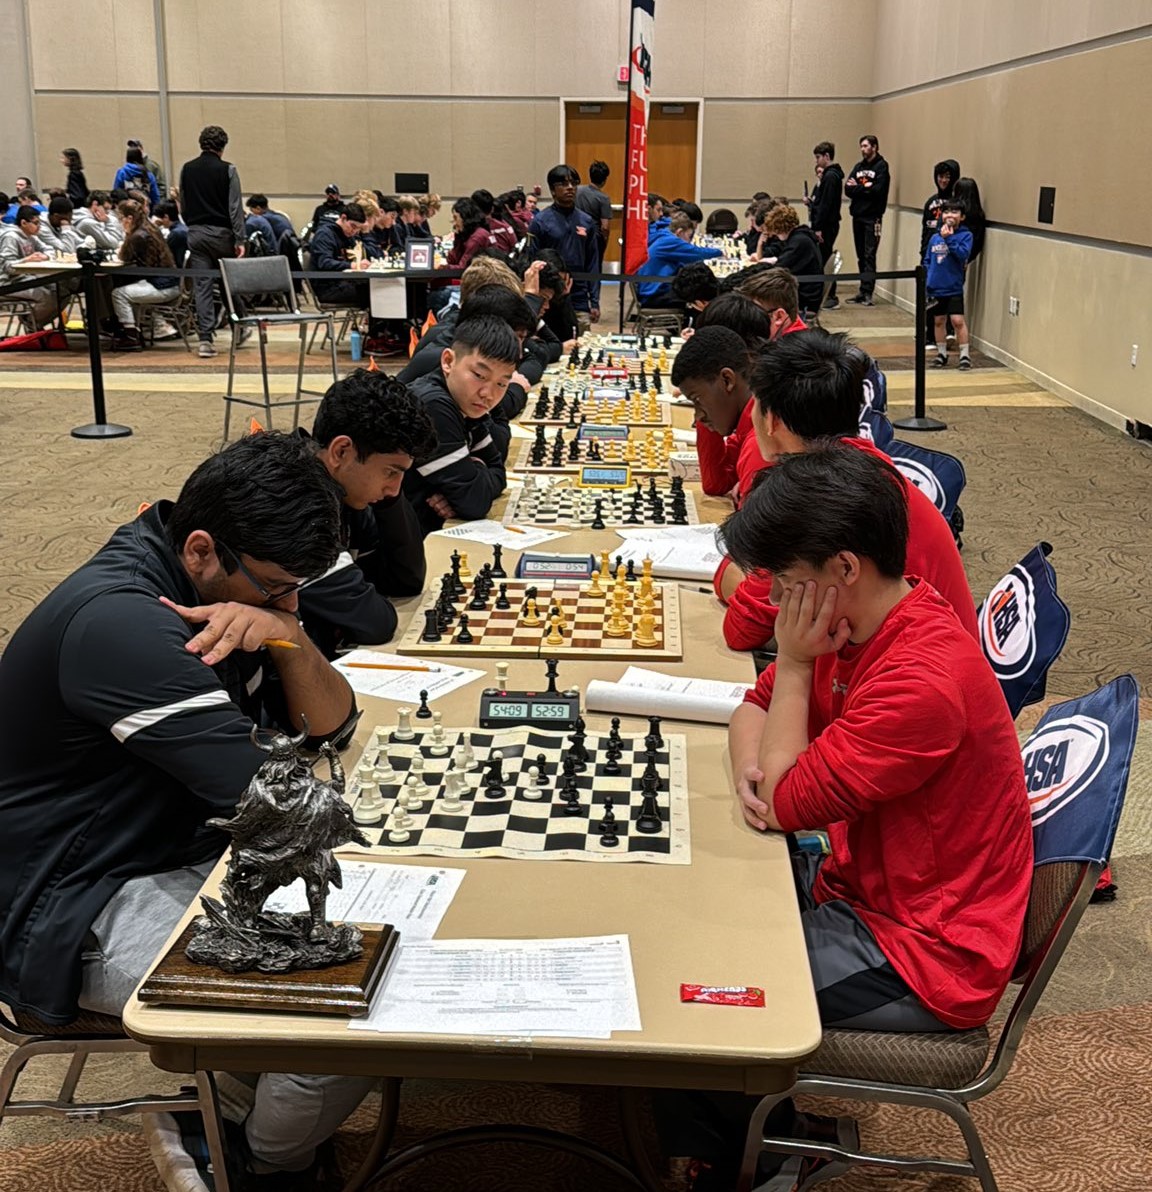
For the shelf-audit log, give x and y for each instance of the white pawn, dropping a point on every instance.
(438, 746)
(369, 808)
(501, 676)
(400, 810)
(399, 830)
(412, 793)
(532, 790)
(403, 730)
(451, 801)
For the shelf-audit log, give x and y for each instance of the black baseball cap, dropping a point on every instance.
(331, 189)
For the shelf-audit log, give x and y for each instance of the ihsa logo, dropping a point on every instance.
(1062, 761)
(1008, 625)
(924, 479)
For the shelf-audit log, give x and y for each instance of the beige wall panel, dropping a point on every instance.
(579, 61)
(325, 143)
(207, 51)
(545, 147)
(324, 46)
(736, 36)
(678, 60)
(395, 67)
(494, 144)
(842, 124)
(831, 48)
(98, 127)
(411, 137)
(743, 148)
(493, 47)
(258, 141)
(93, 45)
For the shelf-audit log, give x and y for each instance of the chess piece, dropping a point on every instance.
(616, 625)
(431, 626)
(630, 572)
(501, 674)
(594, 588)
(423, 712)
(463, 635)
(614, 733)
(556, 637)
(654, 731)
(494, 779)
(415, 789)
(384, 774)
(438, 745)
(450, 801)
(542, 766)
(645, 635)
(502, 600)
(551, 667)
(532, 790)
(598, 518)
(369, 808)
(465, 573)
(608, 825)
(649, 821)
(478, 604)
(498, 571)
(403, 730)
(531, 618)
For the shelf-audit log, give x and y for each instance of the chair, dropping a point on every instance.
(1023, 627)
(1076, 766)
(343, 310)
(180, 312)
(267, 275)
(722, 222)
(17, 311)
(940, 476)
(96, 1034)
(649, 319)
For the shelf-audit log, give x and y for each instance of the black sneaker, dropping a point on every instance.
(965, 364)
(857, 298)
(832, 304)
(940, 362)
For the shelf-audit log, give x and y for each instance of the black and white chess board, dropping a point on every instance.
(542, 501)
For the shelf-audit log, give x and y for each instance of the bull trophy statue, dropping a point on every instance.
(286, 825)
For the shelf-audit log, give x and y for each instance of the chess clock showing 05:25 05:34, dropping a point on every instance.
(538, 709)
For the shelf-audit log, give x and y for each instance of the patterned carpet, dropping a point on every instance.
(1076, 1113)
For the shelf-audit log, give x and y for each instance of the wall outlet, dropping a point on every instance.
(1135, 354)
(1013, 306)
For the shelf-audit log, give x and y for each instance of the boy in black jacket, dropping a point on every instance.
(369, 431)
(465, 473)
(827, 206)
(867, 188)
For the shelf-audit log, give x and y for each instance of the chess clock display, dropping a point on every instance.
(538, 709)
(604, 476)
(553, 568)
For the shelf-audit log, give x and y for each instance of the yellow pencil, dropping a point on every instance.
(516, 530)
(276, 641)
(387, 666)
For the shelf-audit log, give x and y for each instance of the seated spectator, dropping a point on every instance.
(57, 231)
(429, 208)
(135, 195)
(515, 204)
(383, 237)
(333, 249)
(790, 245)
(145, 248)
(470, 234)
(166, 216)
(504, 236)
(261, 236)
(695, 285)
(465, 474)
(258, 205)
(329, 209)
(369, 431)
(133, 174)
(21, 242)
(776, 293)
(690, 209)
(410, 225)
(77, 187)
(573, 234)
(95, 220)
(669, 249)
(25, 197)
(657, 215)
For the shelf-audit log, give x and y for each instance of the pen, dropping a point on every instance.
(276, 641)
(388, 666)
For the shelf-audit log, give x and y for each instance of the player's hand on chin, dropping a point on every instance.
(230, 626)
(807, 626)
(754, 808)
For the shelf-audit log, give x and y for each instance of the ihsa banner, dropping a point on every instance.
(639, 92)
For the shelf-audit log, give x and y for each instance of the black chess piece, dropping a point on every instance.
(431, 626)
(614, 734)
(498, 571)
(612, 760)
(657, 380)
(633, 518)
(463, 636)
(423, 712)
(541, 767)
(551, 666)
(630, 572)
(598, 515)
(574, 451)
(502, 600)
(608, 825)
(658, 512)
(571, 798)
(649, 821)
(478, 603)
(458, 588)
(494, 779)
(654, 731)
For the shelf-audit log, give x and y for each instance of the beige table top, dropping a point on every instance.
(729, 918)
(56, 266)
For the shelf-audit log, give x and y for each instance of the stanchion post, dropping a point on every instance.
(99, 427)
(920, 420)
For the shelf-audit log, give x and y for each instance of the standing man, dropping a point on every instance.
(867, 188)
(214, 212)
(592, 200)
(826, 209)
(573, 234)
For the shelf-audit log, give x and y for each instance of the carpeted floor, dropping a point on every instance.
(1076, 1112)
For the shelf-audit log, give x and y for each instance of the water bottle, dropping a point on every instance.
(357, 343)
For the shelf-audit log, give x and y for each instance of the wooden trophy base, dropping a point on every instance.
(345, 989)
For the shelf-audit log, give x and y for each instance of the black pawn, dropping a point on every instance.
(502, 600)
(463, 637)
(630, 573)
(608, 837)
(431, 626)
(478, 603)
(614, 735)
(423, 712)
(498, 571)
(541, 767)
(612, 764)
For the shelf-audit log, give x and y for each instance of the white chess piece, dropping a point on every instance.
(381, 739)
(468, 755)
(399, 830)
(403, 730)
(501, 676)
(412, 794)
(451, 802)
(438, 746)
(369, 808)
(532, 790)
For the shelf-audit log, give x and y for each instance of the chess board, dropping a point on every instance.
(634, 411)
(563, 504)
(541, 830)
(612, 451)
(500, 633)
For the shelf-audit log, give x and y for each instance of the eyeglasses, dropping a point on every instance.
(271, 596)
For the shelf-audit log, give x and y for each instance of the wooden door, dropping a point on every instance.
(597, 131)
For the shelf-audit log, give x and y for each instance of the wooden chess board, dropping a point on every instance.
(635, 411)
(501, 632)
(531, 829)
(564, 504)
(612, 451)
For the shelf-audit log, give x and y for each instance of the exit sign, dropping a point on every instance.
(622, 74)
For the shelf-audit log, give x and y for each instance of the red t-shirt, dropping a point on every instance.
(750, 618)
(914, 768)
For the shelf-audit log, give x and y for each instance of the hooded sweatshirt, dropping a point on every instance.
(667, 253)
(930, 224)
(868, 196)
(800, 254)
(828, 203)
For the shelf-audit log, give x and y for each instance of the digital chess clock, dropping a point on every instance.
(604, 476)
(540, 709)
(555, 568)
(590, 430)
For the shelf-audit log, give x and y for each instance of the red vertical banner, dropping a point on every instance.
(639, 92)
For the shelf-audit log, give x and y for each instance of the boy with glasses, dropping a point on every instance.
(19, 243)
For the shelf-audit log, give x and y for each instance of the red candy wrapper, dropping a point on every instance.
(723, 995)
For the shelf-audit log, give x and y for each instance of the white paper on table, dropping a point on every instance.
(520, 432)
(493, 533)
(621, 700)
(405, 685)
(674, 555)
(412, 898)
(637, 676)
(573, 988)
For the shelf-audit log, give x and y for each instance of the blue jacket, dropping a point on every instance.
(667, 253)
(946, 258)
(575, 237)
(9, 216)
(129, 177)
(661, 225)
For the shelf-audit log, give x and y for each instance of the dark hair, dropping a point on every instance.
(266, 496)
(809, 507)
(135, 157)
(550, 278)
(28, 195)
(707, 352)
(558, 174)
(967, 194)
(4, 201)
(484, 200)
(487, 336)
(62, 205)
(653, 197)
(738, 313)
(257, 200)
(388, 203)
(471, 217)
(872, 139)
(354, 212)
(760, 196)
(167, 208)
(513, 198)
(377, 413)
(97, 196)
(553, 260)
(695, 283)
(72, 157)
(598, 172)
(953, 205)
(119, 195)
(501, 303)
(690, 209)
(26, 213)
(812, 382)
(213, 138)
(824, 147)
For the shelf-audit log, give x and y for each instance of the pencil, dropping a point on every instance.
(276, 641)
(516, 530)
(388, 666)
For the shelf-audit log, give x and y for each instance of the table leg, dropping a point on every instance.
(383, 1134)
(631, 1103)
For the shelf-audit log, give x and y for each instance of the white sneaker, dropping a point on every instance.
(175, 1166)
(162, 329)
(207, 349)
